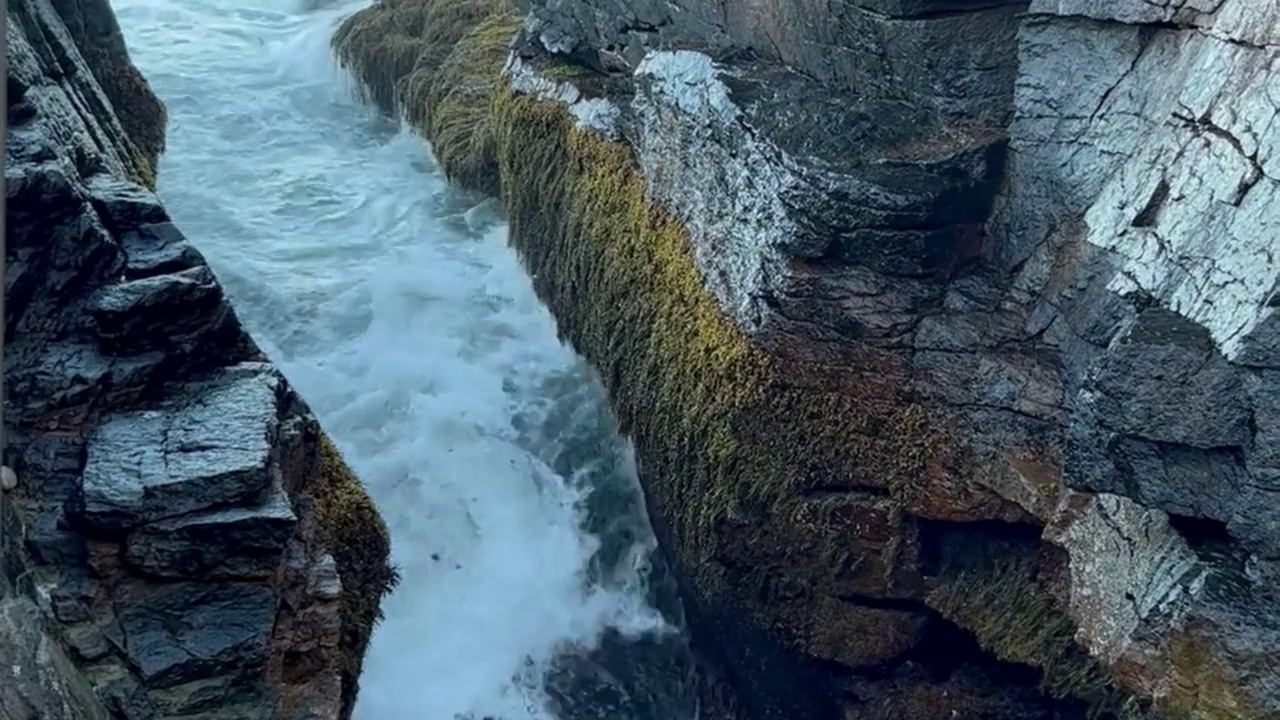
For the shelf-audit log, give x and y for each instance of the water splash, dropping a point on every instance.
(395, 306)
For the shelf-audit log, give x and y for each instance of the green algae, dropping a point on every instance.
(356, 536)
(1012, 616)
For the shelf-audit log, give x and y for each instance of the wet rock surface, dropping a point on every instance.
(1017, 264)
(163, 551)
(208, 448)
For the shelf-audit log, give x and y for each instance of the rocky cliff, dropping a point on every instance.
(946, 329)
(182, 540)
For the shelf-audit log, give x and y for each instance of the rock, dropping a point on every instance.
(210, 448)
(324, 581)
(139, 315)
(156, 250)
(72, 597)
(212, 699)
(51, 540)
(195, 631)
(233, 543)
(1126, 565)
(123, 204)
(988, 280)
(121, 692)
(152, 443)
(52, 465)
(38, 681)
(88, 643)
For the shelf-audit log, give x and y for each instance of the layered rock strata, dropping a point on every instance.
(935, 322)
(183, 541)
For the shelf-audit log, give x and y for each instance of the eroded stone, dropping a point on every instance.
(158, 249)
(209, 447)
(193, 631)
(158, 312)
(232, 543)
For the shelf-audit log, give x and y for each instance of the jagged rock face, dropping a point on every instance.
(182, 540)
(980, 328)
(920, 51)
(42, 681)
(1140, 215)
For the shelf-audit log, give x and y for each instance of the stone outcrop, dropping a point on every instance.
(946, 330)
(183, 541)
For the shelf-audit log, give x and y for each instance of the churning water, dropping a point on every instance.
(394, 305)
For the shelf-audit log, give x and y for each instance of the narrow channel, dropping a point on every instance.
(393, 303)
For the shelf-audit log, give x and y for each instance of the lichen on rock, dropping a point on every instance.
(351, 526)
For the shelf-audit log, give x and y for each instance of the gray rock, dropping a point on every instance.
(209, 447)
(157, 250)
(955, 57)
(140, 434)
(220, 544)
(121, 692)
(72, 377)
(1109, 322)
(1256, 519)
(123, 204)
(38, 681)
(71, 599)
(766, 167)
(158, 312)
(51, 465)
(52, 541)
(228, 696)
(1164, 380)
(194, 632)
(87, 641)
(323, 581)
(1264, 396)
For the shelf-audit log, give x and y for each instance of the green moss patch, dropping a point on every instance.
(355, 534)
(720, 421)
(1014, 617)
(93, 27)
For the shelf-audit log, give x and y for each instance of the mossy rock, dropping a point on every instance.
(726, 425)
(1201, 689)
(620, 277)
(93, 27)
(1015, 618)
(357, 537)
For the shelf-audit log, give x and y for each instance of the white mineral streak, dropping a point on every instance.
(1126, 562)
(704, 165)
(1179, 134)
(595, 114)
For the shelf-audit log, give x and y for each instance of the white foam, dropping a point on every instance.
(398, 310)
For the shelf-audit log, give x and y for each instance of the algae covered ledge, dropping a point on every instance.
(728, 433)
(817, 499)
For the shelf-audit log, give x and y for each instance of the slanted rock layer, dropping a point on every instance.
(183, 541)
(934, 322)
